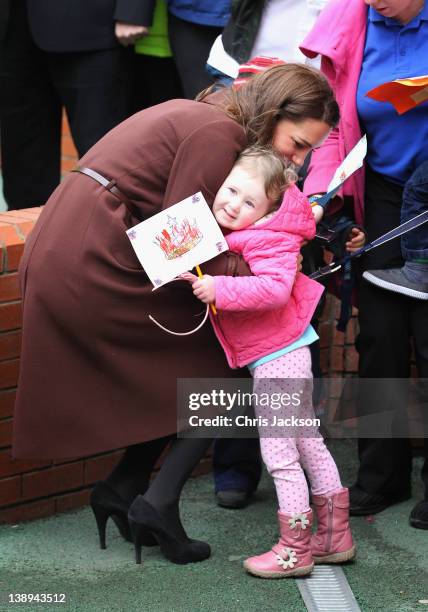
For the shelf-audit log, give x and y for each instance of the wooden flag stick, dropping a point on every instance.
(200, 275)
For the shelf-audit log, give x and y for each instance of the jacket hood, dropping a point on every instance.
(293, 216)
(339, 33)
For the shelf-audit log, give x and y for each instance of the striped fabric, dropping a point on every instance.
(254, 66)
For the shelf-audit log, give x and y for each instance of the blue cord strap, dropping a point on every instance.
(324, 199)
(402, 229)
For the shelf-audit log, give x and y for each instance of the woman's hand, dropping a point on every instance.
(203, 288)
(128, 33)
(299, 262)
(357, 240)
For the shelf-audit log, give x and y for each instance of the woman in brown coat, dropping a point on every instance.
(96, 374)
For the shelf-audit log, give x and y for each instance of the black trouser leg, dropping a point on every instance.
(191, 44)
(30, 117)
(424, 472)
(95, 88)
(388, 321)
(385, 465)
(155, 80)
(419, 320)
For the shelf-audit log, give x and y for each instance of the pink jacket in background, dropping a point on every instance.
(257, 315)
(339, 37)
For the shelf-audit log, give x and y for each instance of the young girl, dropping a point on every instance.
(263, 322)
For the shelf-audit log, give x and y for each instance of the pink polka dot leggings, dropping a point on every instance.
(287, 457)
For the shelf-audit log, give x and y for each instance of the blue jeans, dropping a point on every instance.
(237, 464)
(414, 245)
(220, 78)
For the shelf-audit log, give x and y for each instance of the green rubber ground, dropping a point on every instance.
(61, 555)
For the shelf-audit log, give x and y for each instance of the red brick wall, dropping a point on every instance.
(338, 354)
(35, 489)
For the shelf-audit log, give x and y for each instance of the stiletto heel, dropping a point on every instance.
(136, 536)
(101, 517)
(143, 517)
(105, 503)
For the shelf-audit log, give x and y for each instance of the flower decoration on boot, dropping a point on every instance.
(288, 560)
(299, 518)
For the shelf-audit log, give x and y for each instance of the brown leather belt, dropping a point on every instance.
(110, 185)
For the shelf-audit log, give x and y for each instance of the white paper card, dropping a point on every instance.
(177, 239)
(350, 164)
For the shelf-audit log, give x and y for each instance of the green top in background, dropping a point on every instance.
(156, 42)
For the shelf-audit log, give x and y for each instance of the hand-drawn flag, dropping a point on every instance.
(177, 239)
(352, 162)
(403, 94)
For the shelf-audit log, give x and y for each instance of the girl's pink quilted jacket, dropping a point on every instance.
(259, 314)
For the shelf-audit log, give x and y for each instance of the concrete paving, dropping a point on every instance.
(61, 555)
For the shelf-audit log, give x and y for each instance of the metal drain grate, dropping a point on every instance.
(327, 590)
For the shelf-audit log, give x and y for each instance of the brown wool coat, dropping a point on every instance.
(96, 373)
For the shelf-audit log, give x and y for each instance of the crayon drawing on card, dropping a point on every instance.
(177, 239)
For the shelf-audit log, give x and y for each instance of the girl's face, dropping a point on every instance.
(241, 200)
(401, 10)
(295, 140)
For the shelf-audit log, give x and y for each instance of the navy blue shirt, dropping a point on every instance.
(397, 144)
(204, 12)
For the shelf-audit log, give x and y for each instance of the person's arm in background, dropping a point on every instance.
(324, 162)
(133, 19)
(325, 159)
(338, 37)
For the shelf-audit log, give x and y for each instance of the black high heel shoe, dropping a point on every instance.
(105, 503)
(143, 518)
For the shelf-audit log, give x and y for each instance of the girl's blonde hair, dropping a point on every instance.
(276, 172)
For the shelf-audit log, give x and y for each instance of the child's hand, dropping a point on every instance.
(357, 240)
(203, 288)
(188, 276)
(318, 213)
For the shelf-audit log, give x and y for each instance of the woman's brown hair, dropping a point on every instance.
(290, 91)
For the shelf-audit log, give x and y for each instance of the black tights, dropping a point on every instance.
(132, 474)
